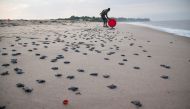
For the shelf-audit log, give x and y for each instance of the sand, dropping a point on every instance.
(131, 58)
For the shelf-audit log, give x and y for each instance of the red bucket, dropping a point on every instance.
(65, 102)
(112, 22)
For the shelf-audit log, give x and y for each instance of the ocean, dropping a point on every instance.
(178, 27)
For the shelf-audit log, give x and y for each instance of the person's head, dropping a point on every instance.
(108, 9)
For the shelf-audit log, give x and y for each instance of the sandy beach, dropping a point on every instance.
(43, 63)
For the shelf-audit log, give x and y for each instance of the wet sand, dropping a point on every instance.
(129, 67)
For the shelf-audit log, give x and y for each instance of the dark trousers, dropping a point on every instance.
(104, 19)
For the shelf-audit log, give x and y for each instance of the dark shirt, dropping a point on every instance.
(104, 13)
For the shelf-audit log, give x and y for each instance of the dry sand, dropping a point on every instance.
(87, 46)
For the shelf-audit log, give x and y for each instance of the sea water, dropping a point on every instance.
(178, 27)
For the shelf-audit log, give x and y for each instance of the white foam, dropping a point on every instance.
(180, 32)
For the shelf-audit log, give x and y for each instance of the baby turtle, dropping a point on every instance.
(98, 51)
(131, 44)
(136, 54)
(84, 53)
(106, 76)
(18, 70)
(164, 77)
(5, 65)
(27, 89)
(19, 85)
(4, 54)
(67, 62)
(120, 63)
(125, 60)
(137, 103)
(110, 53)
(106, 59)
(70, 77)
(16, 54)
(2, 107)
(60, 57)
(94, 74)
(58, 75)
(13, 50)
(78, 93)
(144, 50)
(136, 67)
(112, 86)
(53, 60)
(123, 55)
(149, 56)
(73, 89)
(5, 73)
(54, 68)
(13, 61)
(30, 50)
(37, 54)
(35, 49)
(43, 57)
(80, 70)
(77, 51)
(40, 81)
(165, 66)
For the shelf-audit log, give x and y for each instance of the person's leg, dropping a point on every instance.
(103, 20)
(106, 21)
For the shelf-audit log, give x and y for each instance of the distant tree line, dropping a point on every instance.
(98, 19)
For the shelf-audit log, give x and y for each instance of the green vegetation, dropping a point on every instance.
(98, 19)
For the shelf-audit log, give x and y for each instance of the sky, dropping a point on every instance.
(50, 9)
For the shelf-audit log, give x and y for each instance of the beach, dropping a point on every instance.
(46, 62)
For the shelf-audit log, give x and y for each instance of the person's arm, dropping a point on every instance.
(107, 16)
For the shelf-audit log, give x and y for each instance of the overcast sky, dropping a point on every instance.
(46, 9)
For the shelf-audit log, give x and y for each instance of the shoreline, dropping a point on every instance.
(174, 31)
